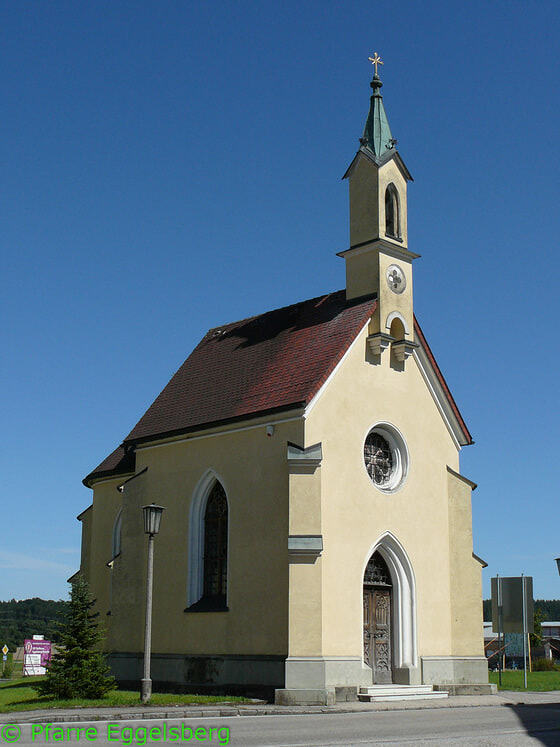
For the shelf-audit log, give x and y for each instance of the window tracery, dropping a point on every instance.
(378, 458)
(377, 572)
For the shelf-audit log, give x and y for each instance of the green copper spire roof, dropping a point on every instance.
(377, 134)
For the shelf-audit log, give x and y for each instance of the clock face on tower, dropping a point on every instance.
(395, 279)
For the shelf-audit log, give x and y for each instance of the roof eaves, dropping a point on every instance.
(81, 515)
(103, 475)
(398, 158)
(482, 562)
(458, 475)
(379, 161)
(468, 438)
(213, 424)
(118, 462)
(363, 151)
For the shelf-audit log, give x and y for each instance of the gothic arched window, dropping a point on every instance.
(215, 546)
(392, 218)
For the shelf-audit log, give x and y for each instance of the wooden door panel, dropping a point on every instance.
(377, 633)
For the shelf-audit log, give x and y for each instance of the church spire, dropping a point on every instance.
(377, 180)
(377, 136)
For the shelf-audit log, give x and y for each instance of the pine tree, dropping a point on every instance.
(79, 669)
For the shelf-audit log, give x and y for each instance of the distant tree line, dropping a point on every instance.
(549, 609)
(28, 617)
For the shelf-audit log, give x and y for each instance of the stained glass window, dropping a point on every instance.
(215, 544)
(378, 458)
(377, 572)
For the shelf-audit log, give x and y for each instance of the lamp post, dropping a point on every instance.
(152, 520)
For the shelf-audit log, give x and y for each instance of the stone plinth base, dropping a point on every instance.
(407, 676)
(326, 672)
(454, 670)
(199, 673)
(472, 689)
(304, 697)
(346, 694)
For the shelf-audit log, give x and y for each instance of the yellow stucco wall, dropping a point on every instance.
(355, 513)
(368, 183)
(253, 471)
(106, 505)
(362, 273)
(85, 519)
(466, 581)
(305, 590)
(363, 191)
(389, 302)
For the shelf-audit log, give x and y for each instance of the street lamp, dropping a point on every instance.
(152, 520)
(558, 564)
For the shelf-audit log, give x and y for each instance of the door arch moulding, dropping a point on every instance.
(404, 630)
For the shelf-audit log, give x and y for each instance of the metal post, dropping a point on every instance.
(146, 692)
(524, 631)
(500, 616)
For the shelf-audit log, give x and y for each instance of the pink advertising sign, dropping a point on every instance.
(36, 654)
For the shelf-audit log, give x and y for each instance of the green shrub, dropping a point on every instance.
(545, 665)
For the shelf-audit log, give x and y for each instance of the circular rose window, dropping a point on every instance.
(385, 457)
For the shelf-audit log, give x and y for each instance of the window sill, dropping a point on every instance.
(394, 238)
(208, 604)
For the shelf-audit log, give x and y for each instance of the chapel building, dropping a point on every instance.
(317, 533)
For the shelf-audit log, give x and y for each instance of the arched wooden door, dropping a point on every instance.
(377, 619)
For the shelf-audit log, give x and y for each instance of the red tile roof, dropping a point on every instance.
(268, 363)
(119, 462)
(273, 361)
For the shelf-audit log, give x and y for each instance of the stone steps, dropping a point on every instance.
(386, 693)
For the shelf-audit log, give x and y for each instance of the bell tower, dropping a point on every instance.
(378, 260)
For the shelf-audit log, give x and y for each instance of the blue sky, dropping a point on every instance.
(171, 166)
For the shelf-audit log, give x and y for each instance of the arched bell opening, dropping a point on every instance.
(392, 217)
(396, 329)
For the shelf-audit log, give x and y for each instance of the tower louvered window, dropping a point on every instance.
(215, 545)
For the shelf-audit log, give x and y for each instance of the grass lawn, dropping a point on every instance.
(513, 680)
(18, 695)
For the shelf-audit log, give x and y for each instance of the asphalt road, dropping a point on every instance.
(484, 725)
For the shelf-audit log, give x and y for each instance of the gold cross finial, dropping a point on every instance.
(376, 60)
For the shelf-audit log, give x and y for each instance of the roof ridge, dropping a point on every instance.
(272, 311)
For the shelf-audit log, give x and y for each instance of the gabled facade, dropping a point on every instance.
(317, 532)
